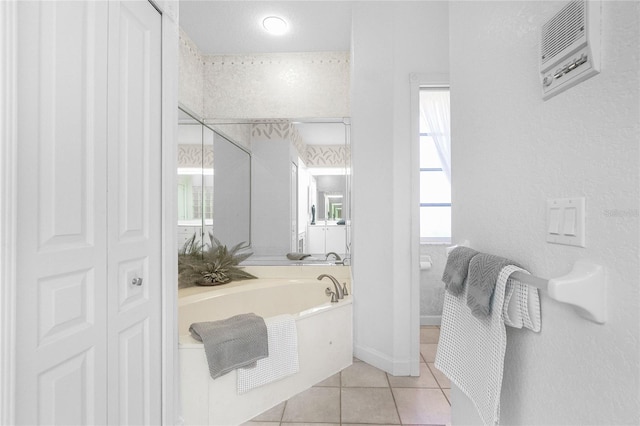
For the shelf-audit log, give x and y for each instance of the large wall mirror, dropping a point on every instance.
(214, 185)
(300, 188)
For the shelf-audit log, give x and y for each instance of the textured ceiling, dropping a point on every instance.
(232, 27)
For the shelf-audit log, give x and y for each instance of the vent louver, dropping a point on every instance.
(563, 30)
(570, 46)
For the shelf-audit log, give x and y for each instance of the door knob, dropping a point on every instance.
(136, 281)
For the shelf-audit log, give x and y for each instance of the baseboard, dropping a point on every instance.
(430, 319)
(382, 361)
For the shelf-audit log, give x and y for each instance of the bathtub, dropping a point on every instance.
(324, 344)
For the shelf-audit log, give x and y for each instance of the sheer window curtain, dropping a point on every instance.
(435, 113)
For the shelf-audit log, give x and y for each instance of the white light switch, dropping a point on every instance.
(566, 221)
(555, 214)
(569, 221)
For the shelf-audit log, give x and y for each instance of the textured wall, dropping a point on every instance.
(512, 151)
(191, 69)
(277, 85)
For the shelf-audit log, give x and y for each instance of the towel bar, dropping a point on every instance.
(584, 288)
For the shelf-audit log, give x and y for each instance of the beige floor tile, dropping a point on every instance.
(361, 374)
(429, 334)
(311, 424)
(252, 423)
(447, 393)
(443, 380)
(428, 351)
(272, 415)
(315, 405)
(426, 380)
(368, 405)
(422, 406)
(333, 381)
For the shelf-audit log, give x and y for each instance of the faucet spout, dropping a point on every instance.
(336, 284)
(336, 255)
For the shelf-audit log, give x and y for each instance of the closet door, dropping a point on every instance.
(134, 214)
(61, 341)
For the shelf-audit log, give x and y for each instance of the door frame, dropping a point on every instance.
(8, 201)
(417, 80)
(170, 381)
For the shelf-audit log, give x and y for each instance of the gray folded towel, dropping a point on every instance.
(235, 342)
(297, 256)
(483, 275)
(455, 272)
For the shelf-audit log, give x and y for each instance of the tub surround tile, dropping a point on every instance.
(443, 381)
(422, 406)
(361, 374)
(315, 405)
(369, 405)
(425, 380)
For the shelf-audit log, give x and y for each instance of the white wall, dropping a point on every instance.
(270, 196)
(391, 40)
(512, 151)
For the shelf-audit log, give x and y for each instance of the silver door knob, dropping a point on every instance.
(136, 281)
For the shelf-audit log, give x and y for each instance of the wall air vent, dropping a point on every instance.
(570, 47)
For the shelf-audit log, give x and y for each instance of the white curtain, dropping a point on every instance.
(435, 113)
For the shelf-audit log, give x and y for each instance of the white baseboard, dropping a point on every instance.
(382, 361)
(430, 319)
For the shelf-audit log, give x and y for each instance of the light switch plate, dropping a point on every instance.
(566, 221)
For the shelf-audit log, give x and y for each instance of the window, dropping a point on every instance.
(435, 160)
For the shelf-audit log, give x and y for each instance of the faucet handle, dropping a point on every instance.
(328, 292)
(344, 289)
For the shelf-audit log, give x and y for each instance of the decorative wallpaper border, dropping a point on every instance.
(191, 155)
(327, 156)
(312, 155)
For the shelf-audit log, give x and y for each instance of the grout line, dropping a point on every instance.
(283, 410)
(394, 398)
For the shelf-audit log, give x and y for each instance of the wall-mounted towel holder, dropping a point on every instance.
(584, 287)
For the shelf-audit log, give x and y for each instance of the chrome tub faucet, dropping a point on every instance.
(339, 291)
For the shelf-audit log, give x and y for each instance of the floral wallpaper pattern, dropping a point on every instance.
(190, 155)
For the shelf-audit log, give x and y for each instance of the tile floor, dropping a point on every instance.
(364, 395)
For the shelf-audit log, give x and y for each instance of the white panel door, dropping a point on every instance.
(134, 214)
(61, 214)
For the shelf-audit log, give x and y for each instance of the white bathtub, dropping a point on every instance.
(324, 344)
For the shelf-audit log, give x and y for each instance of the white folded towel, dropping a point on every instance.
(283, 355)
(471, 350)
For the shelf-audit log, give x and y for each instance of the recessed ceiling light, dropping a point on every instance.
(275, 25)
